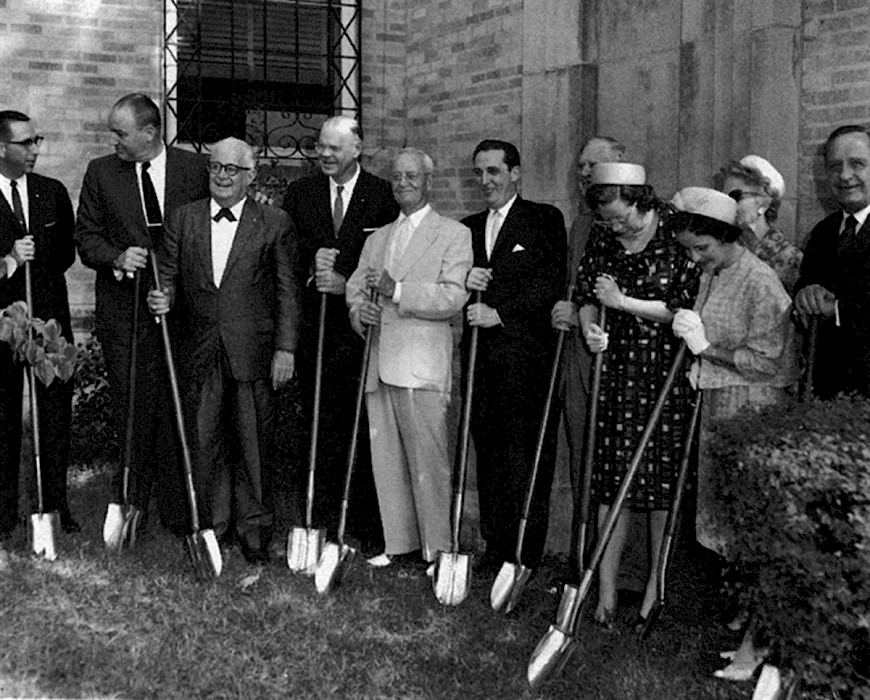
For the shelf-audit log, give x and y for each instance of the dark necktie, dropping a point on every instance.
(224, 213)
(848, 233)
(338, 210)
(17, 209)
(149, 196)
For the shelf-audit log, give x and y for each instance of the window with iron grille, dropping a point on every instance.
(267, 71)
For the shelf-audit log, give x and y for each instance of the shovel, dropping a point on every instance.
(305, 544)
(202, 545)
(558, 642)
(673, 515)
(512, 578)
(452, 577)
(337, 557)
(43, 526)
(122, 519)
(805, 390)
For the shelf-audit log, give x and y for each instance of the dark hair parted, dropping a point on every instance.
(700, 225)
(511, 154)
(144, 110)
(753, 178)
(7, 116)
(641, 196)
(842, 131)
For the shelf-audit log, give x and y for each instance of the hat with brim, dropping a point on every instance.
(775, 181)
(617, 174)
(706, 202)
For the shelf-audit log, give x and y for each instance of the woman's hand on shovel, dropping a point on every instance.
(158, 302)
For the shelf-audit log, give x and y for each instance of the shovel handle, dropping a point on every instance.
(805, 390)
(176, 403)
(315, 414)
(34, 407)
(130, 427)
(591, 439)
(610, 522)
(354, 436)
(465, 431)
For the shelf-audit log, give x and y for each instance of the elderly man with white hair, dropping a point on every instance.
(417, 265)
(225, 265)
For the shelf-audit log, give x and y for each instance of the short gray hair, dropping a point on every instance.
(422, 156)
(249, 157)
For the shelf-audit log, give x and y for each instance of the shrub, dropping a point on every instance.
(796, 480)
(94, 437)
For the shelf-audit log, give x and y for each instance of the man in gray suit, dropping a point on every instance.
(417, 265)
(225, 264)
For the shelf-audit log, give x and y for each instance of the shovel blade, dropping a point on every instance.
(132, 517)
(43, 534)
(452, 577)
(549, 657)
(651, 619)
(570, 605)
(205, 554)
(304, 547)
(522, 577)
(502, 586)
(335, 562)
(113, 527)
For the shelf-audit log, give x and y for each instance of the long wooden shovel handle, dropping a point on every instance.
(465, 431)
(354, 435)
(806, 388)
(34, 407)
(315, 414)
(591, 439)
(539, 447)
(627, 480)
(130, 427)
(176, 403)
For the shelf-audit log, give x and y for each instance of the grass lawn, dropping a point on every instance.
(140, 626)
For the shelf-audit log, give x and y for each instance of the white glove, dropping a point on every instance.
(688, 326)
(596, 338)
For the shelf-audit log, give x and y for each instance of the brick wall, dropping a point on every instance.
(836, 90)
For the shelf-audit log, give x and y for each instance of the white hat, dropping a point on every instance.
(768, 172)
(706, 202)
(617, 174)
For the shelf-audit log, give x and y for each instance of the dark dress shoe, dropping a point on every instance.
(68, 524)
(256, 555)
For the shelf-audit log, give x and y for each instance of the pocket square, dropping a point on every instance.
(518, 248)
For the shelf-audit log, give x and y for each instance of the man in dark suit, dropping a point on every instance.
(333, 212)
(833, 286)
(123, 201)
(36, 226)
(225, 263)
(519, 271)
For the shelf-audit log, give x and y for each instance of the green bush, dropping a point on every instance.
(796, 479)
(94, 437)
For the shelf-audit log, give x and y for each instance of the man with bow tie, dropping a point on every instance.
(125, 197)
(417, 265)
(36, 227)
(519, 271)
(225, 265)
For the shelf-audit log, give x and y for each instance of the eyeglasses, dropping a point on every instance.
(738, 195)
(231, 168)
(28, 143)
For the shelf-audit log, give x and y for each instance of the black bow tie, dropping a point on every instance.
(224, 213)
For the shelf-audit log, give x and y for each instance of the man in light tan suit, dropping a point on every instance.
(417, 265)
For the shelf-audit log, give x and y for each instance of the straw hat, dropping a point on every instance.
(706, 202)
(763, 166)
(617, 174)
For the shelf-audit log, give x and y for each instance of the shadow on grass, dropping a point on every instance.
(140, 626)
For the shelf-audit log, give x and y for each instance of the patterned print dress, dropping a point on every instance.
(639, 354)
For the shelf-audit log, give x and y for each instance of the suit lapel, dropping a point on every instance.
(357, 202)
(202, 241)
(507, 233)
(421, 240)
(244, 233)
(9, 216)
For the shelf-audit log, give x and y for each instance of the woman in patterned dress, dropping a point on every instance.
(742, 337)
(634, 267)
(757, 187)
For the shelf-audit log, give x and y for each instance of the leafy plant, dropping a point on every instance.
(38, 343)
(796, 480)
(93, 428)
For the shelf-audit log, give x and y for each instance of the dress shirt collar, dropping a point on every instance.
(236, 209)
(6, 189)
(505, 209)
(860, 217)
(415, 218)
(348, 186)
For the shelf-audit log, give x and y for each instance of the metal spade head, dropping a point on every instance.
(333, 566)
(43, 534)
(113, 528)
(550, 656)
(205, 554)
(452, 577)
(304, 547)
(132, 517)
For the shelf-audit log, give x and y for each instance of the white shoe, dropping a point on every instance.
(769, 686)
(380, 561)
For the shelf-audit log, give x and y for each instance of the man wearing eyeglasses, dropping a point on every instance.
(333, 213)
(225, 265)
(36, 229)
(124, 199)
